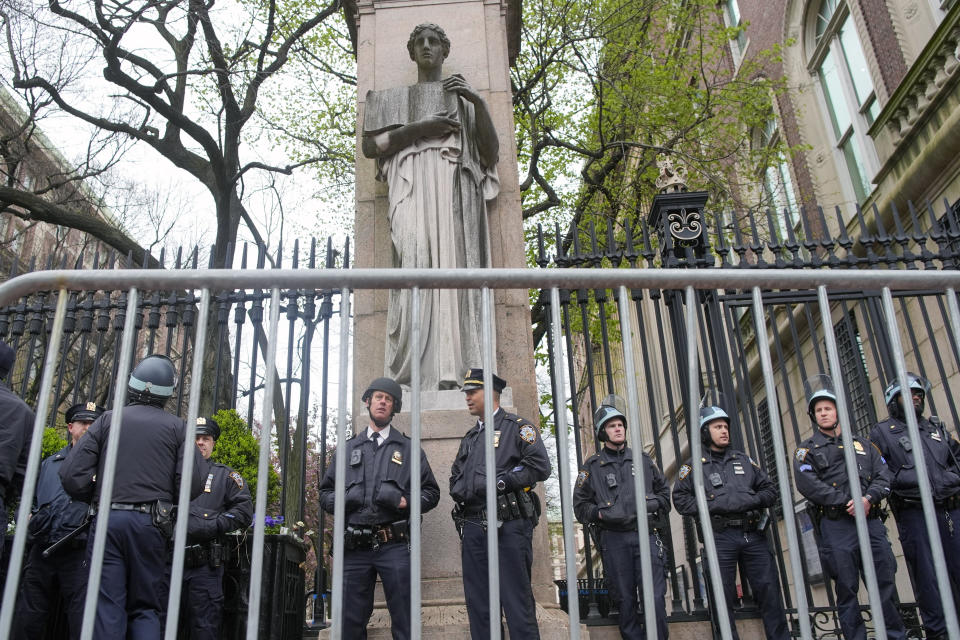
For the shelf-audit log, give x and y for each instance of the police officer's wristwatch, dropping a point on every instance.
(501, 485)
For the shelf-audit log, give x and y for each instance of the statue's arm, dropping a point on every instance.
(389, 142)
(488, 146)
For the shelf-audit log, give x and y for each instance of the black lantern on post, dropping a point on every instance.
(677, 215)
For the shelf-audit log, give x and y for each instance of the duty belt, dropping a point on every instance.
(359, 536)
(511, 505)
(199, 555)
(655, 522)
(839, 512)
(142, 507)
(898, 502)
(735, 521)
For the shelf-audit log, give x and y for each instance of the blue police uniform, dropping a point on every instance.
(223, 506)
(737, 490)
(64, 574)
(605, 498)
(16, 431)
(134, 581)
(821, 476)
(521, 462)
(941, 454)
(376, 540)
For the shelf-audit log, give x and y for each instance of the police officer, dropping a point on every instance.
(56, 516)
(134, 581)
(821, 475)
(605, 498)
(16, 431)
(377, 506)
(224, 506)
(521, 462)
(738, 491)
(941, 453)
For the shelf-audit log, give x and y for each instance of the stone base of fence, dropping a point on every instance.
(449, 622)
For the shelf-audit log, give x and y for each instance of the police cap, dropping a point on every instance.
(83, 412)
(474, 380)
(208, 427)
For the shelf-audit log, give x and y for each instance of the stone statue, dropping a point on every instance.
(436, 147)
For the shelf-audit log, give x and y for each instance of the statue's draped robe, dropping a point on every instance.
(437, 209)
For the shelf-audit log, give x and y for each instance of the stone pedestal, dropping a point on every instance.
(478, 33)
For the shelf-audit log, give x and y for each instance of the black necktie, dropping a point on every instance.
(375, 438)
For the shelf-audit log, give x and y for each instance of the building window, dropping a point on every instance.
(733, 19)
(841, 68)
(853, 364)
(777, 184)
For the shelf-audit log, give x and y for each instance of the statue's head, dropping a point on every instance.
(420, 28)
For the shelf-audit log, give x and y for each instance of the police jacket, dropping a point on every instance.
(734, 483)
(55, 513)
(377, 477)
(16, 431)
(521, 459)
(821, 472)
(149, 461)
(222, 507)
(941, 453)
(605, 486)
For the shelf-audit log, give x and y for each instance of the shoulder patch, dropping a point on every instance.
(802, 454)
(582, 477)
(684, 471)
(237, 478)
(528, 433)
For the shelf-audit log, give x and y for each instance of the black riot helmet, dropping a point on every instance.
(387, 385)
(613, 406)
(817, 388)
(152, 381)
(708, 415)
(602, 416)
(892, 395)
(7, 358)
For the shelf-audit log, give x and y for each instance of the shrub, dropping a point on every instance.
(238, 449)
(52, 442)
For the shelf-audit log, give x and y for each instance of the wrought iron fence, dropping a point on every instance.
(727, 332)
(234, 376)
(741, 314)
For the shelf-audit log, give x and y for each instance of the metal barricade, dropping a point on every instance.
(620, 280)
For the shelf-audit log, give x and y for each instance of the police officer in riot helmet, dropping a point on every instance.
(134, 581)
(55, 568)
(604, 498)
(941, 453)
(738, 492)
(821, 475)
(377, 507)
(521, 462)
(16, 431)
(223, 506)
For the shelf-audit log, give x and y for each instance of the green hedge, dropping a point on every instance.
(238, 449)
